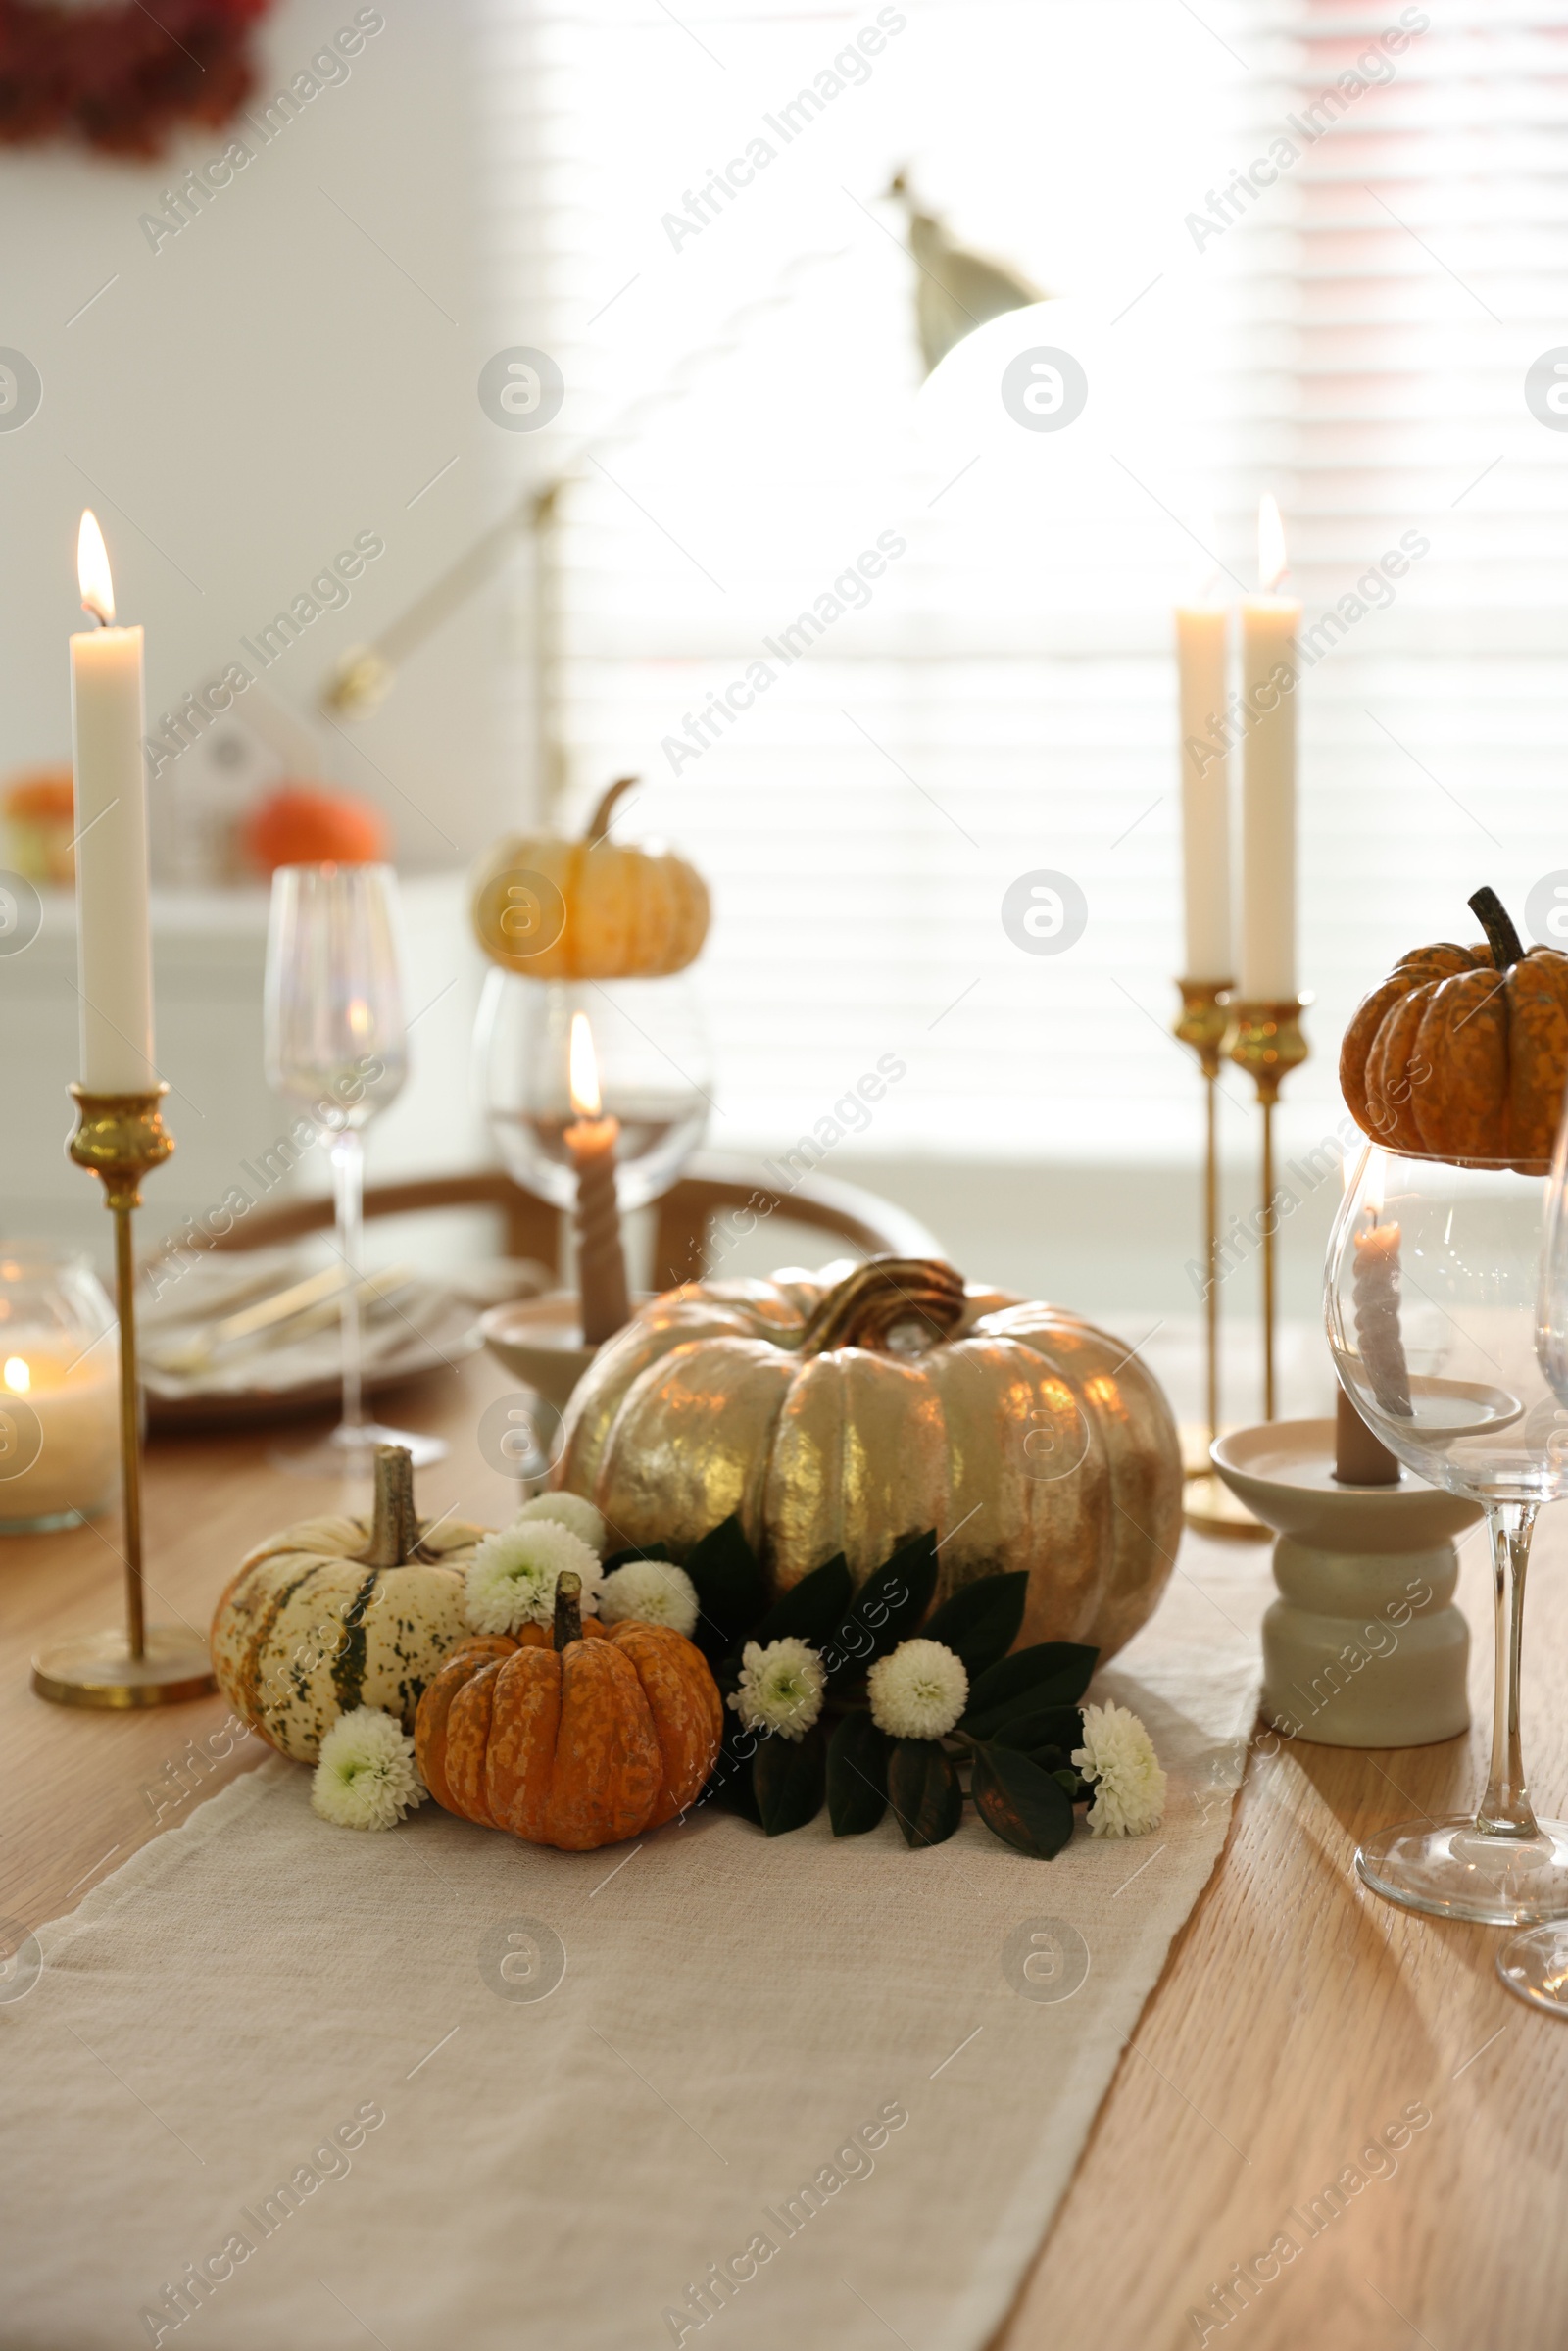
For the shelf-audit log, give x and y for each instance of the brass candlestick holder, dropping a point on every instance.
(1203, 1025)
(1269, 1043)
(120, 1138)
(1210, 1506)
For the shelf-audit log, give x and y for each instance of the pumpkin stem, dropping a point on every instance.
(879, 1296)
(598, 824)
(395, 1526)
(1507, 948)
(569, 1608)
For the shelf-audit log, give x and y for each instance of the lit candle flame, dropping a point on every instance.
(1375, 1185)
(92, 570)
(584, 1069)
(17, 1378)
(1271, 560)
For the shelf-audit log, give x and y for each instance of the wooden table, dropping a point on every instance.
(1296, 2017)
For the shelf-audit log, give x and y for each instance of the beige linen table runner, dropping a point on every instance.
(282, 2086)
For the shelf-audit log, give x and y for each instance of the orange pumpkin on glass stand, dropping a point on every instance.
(1463, 1054)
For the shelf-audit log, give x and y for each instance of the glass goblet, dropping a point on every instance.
(654, 1075)
(1535, 1965)
(337, 1044)
(1431, 1310)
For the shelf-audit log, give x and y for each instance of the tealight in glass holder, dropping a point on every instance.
(59, 1390)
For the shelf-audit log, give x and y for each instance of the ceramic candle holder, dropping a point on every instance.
(1364, 1647)
(540, 1339)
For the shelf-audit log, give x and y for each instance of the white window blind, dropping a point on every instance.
(1001, 698)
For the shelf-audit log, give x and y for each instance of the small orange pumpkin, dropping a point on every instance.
(297, 825)
(576, 1738)
(1463, 1054)
(588, 910)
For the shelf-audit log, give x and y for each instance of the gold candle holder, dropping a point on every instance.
(120, 1138)
(1209, 1505)
(1269, 1043)
(1203, 1025)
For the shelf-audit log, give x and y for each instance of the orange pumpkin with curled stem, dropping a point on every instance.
(573, 1738)
(589, 910)
(1463, 1054)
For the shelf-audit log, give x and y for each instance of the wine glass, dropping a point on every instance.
(1535, 1965)
(1431, 1309)
(654, 1075)
(337, 1045)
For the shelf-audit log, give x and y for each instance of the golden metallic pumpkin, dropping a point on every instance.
(588, 910)
(847, 1410)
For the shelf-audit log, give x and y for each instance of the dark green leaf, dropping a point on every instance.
(726, 1672)
(981, 1621)
(654, 1550)
(729, 1784)
(857, 1775)
(730, 1589)
(1027, 1725)
(1026, 1806)
(810, 1610)
(1056, 1673)
(733, 1793)
(887, 1608)
(925, 1790)
(790, 1778)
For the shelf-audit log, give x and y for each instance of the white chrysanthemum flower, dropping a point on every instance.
(566, 1510)
(919, 1691)
(1118, 1758)
(654, 1592)
(367, 1777)
(780, 1688)
(511, 1580)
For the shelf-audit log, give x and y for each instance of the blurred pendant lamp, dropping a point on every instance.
(649, 1033)
(955, 290)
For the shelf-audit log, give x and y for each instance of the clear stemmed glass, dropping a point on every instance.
(654, 1068)
(1535, 1965)
(1431, 1307)
(337, 1045)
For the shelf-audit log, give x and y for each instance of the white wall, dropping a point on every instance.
(238, 405)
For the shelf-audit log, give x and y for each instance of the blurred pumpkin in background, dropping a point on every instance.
(298, 825)
(40, 814)
(589, 910)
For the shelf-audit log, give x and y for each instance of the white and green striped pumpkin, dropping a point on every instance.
(336, 1613)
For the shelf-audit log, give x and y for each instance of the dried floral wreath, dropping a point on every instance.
(123, 78)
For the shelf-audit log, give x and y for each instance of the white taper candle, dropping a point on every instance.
(1202, 634)
(114, 930)
(1270, 624)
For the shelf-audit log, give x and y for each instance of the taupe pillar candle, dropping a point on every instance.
(605, 1302)
(1360, 1457)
